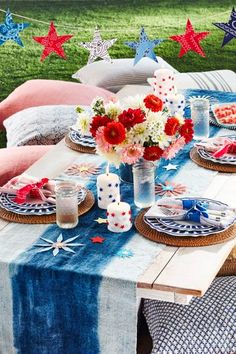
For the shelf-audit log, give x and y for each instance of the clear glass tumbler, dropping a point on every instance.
(144, 184)
(200, 117)
(67, 204)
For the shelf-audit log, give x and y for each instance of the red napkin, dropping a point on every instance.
(228, 148)
(29, 189)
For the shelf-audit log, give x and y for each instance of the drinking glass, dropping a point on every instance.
(144, 184)
(66, 204)
(200, 117)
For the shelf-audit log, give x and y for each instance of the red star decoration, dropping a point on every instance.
(97, 239)
(52, 42)
(190, 40)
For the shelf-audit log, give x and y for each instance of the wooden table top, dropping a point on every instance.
(178, 273)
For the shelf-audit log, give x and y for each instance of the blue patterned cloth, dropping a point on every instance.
(83, 303)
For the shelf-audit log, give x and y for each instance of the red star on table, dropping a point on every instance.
(190, 40)
(97, 239)
(52, 42)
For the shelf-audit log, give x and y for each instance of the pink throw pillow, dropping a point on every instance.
(49, 92)
(16, 160)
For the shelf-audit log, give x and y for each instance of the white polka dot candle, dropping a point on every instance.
(108, 189)
(175, 104)
(163, 83)
(119, 217)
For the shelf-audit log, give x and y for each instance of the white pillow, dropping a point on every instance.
(113, 76)
(44, 125)
(219, 80)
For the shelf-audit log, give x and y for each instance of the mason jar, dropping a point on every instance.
(200, 117)
(144, 183)
(66, 204)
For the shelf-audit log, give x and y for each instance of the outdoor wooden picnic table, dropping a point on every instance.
(178, 273)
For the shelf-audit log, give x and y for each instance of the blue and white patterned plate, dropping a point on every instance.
(185, 228)
(7, 203)
(184, 225)
(83, 140)
(226, 159)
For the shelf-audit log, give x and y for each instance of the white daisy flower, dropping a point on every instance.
(83, 123)
(134, 102)
(113, 109)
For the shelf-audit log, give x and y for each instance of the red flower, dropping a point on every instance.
(98, 121)
(152, 153)
(187, 131)
(172, 126)
(114, 133)
(154, 103)
(131, 117)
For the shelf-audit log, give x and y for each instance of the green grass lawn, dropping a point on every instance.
(123, 19)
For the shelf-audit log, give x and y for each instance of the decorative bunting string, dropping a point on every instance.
(117, 29)
(98, 48)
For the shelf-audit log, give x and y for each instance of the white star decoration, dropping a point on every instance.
(98, 48)
(101, 221)
(170, 166)
(59, 244)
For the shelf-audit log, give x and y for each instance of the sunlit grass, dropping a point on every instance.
(117, 19)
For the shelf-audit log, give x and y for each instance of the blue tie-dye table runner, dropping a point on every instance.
(83, 303)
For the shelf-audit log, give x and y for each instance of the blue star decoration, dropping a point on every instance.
(125, 253)
(144, 48)
(10, 30)
(229, 28)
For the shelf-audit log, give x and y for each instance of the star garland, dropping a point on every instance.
(9, 30)
(52, 43)
(145, 47)
(229, 28)
(98, 48)
(190, 40)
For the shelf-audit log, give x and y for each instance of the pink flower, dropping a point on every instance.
(174, 148)
(131, 153)
(101, 142)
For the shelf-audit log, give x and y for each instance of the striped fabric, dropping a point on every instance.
(113, 76)
(206, 326)
(220, 80)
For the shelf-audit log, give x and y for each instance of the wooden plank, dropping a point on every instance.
(3, 224)
(54, 162)
(183, 299)
(156, 295)
(163, 296)
(191, 270)
(147, 279)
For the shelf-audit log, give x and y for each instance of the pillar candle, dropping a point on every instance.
(175, 103)
(108, 189)
(163, 83)
(119, 217)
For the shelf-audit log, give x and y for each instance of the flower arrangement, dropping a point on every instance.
(140, 127)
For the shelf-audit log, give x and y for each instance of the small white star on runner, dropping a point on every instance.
(170, 166)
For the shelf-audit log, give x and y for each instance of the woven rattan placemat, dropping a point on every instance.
(161, 237)
(77, 147)
(209, 164)
(83, 208)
